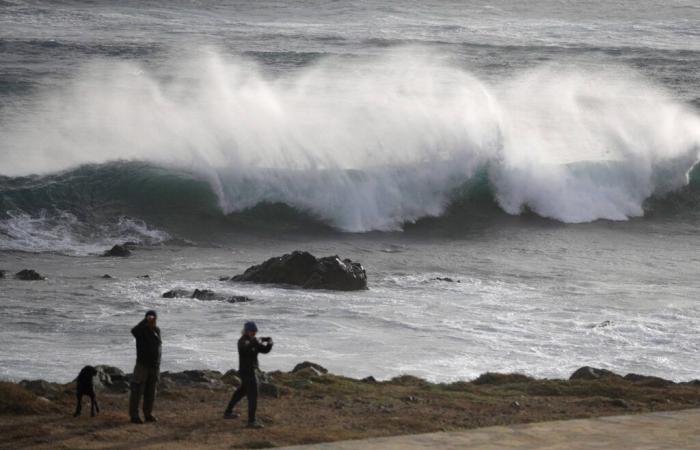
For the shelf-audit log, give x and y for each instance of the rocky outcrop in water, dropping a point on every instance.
(305, 270)
(205, 294)
(121, 251)
(2, 273)
(29, 275)
(446, 280)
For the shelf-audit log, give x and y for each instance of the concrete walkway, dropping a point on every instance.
(664, 430)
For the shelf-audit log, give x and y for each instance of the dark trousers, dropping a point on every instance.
(143, 384)
(248, 388)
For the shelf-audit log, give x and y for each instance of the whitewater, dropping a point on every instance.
(371, 145)
(543, 153)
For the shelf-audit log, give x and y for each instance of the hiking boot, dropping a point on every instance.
(231, 415)
(150, 418)
(256, 425)
(136, 420)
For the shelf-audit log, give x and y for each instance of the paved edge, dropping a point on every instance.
(660, 430)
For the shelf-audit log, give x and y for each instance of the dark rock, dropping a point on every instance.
(306, 364)
(194, 377)
(118, 251)
(231, 377)
(2, 273)
(591, 373)
(130, 245)
(29, 275)
(144, 276)
(648, 380)
(204, 294)
(501, 378)
(370, 379)
(446, 279)
(106, 276)
(224, 278)
(305, 270)
(178, 293)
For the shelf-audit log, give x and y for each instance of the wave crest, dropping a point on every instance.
(371, 144)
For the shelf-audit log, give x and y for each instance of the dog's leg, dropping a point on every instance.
(93, 405)
(78, 406)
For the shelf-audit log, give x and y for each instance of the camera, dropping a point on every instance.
(266, 339)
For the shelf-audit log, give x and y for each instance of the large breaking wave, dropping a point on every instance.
(357, 143)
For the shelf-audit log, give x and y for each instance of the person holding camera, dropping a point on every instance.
(147, 370)
(248, 349)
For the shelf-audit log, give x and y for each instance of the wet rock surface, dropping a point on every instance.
(29, 275)
(306, 271)
(119, 251)
(205, 294)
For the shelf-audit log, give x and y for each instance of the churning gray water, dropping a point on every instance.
(542, 153)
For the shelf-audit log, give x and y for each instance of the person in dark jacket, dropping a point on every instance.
(248, 349)
(147, 369)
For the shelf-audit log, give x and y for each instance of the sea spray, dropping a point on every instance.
(372, 143)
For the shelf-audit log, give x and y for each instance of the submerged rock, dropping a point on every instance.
(118, 251)
(205, 294)
(447, 280)
(29, 275)
(178, 293)
(2, 273)
(591, 373)
(106, 277)
(305, 270)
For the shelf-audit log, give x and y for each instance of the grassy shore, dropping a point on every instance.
(308, 407)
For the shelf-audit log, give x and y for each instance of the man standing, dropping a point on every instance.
(147, 370)
(248, 348)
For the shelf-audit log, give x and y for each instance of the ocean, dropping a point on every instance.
(541, 154)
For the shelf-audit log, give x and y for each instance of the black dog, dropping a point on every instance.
(85, 386)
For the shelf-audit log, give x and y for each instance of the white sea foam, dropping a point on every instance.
(65, 233)
(372, 143)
